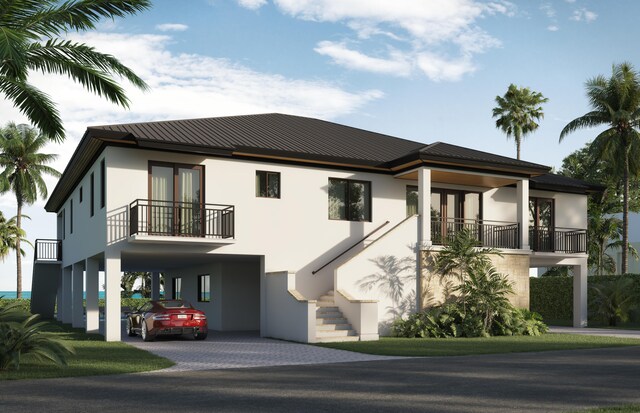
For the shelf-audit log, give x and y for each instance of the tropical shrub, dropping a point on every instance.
(22, 334)
(614, 300)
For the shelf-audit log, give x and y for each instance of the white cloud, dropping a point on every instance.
(442, 69)
(252, 4)
(548, 9)
(553, 28)
(439, 28)
(584, 15)
(172, 27)
(397, 65)
(182, 86)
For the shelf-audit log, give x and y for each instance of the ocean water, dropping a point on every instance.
(27, 294)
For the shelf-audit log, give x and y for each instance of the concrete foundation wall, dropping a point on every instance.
(436, 290)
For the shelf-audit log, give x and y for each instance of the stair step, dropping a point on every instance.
(336, 320)
(327, 298)
(333, 327)
(329, 314)
(336, 339)
(336, 333)
(322, 303)
(328, 309)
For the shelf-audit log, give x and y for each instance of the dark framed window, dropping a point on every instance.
(176, 290)
(412, 200)
(71, 216)
(267, 184)
(61, 225)
(92, 195)
(541, 212)
(204, 288)
(80, 195)
(102, 183)
(176, 194)
(349, 200)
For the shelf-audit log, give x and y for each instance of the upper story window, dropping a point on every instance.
(349, 200)
(448, 204)
(80, 194)
(267, 184)
(541, 212)
(103, 179)
(176, 194)
(92, 195)
(71, 216)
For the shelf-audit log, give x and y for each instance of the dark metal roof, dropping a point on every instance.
(284, 137)
(559, 182)
(273, 133)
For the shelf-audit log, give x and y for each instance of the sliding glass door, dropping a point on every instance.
(176, 201)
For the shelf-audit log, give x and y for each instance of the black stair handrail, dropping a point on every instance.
(350, 248)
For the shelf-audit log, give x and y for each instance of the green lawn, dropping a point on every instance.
(425, 347)
(93, 357)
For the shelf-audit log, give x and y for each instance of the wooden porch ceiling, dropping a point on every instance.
(459, 178)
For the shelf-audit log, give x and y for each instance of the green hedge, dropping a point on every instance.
(25, 303)
(552, 297)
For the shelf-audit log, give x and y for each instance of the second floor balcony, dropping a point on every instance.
(181, 219)
(505, 235)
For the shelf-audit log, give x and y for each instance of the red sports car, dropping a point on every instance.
(167, 317)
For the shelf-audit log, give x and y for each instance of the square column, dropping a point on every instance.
(64, 306)
(77, 294)
(522, 190)
(580, 294)
(92, 287)
(424, 207)
(155, 285)
(112, 276)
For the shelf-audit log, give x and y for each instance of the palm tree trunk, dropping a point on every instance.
(625, 211)
(18, 255)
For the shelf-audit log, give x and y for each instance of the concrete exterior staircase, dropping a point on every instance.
(331, 325)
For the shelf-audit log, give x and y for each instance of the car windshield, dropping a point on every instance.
(174, 304)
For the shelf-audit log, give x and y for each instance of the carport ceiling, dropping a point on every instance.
(148, 261)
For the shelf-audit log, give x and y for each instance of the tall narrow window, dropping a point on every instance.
(61, 227)
(71, 216)
(176, 199)
(267, 184)
(176, 293)
(349, 200)
(204, 288)
(92, 194)
(412, 200)
(80, 194)
(102, 183)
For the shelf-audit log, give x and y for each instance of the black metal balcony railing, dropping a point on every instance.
(184, 219)
(569, 240)
(491, 234)
(48, 250)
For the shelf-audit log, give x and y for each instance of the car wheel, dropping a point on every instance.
(145, 333)
(130, 331)
(199, 336)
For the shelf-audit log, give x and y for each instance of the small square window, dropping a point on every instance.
(267, 184)
(204, 288)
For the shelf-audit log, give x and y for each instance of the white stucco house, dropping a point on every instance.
(302, 229)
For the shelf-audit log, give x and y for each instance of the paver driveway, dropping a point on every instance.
(242, 350)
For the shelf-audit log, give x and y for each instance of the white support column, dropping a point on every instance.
(59, 298)
(112, 275)
(523, 212)
(580, 294)
(77, 292)
(64, 307)
(92, 287)
(424, 207)
(155, 285)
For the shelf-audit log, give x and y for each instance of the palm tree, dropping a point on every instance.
(30, 42)
(23, 168)
(517, 112)
(10, 235)
(615, 102)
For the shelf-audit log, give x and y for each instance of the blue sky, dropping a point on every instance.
(427, 70)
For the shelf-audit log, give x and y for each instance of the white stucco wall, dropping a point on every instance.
(385, 271)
